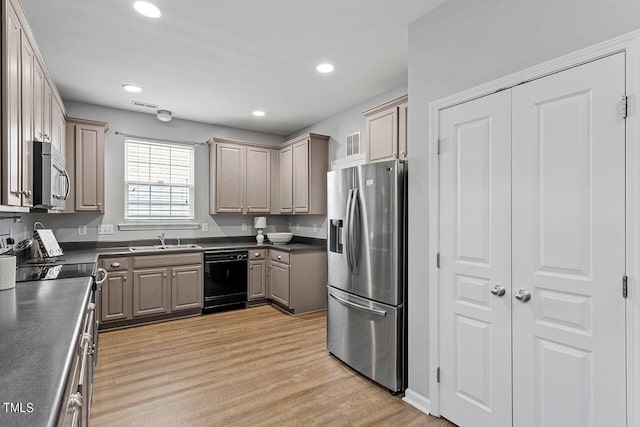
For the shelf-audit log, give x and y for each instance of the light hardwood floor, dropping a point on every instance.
(253, 367)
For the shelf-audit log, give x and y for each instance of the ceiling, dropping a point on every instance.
(217, 61)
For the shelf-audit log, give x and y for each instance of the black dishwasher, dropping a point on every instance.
(225, 280)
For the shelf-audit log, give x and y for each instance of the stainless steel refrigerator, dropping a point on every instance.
(366, 318)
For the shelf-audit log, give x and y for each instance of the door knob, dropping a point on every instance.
(523, 295)
(498, 290)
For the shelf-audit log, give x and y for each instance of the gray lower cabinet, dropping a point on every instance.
(78, 390)
(257, 280)
(298, 280)
(186, 287)
(257, 286)
(151, 292)
(280, 284)
(140, 287)
(116, 297)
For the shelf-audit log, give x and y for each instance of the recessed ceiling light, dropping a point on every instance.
(147, 9)
(258, 113)
(324, 68)
(132, 88)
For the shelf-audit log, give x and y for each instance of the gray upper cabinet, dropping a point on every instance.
(241, 177)
(85, 165)
(303, 165)
(387, 130)
(28, 93)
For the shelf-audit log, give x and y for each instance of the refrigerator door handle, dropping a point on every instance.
(356, 230)
(358, 306)
(347, 226)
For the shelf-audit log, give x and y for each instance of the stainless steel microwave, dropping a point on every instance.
(51, 183)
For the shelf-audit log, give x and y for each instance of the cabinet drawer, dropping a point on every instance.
(258, 254)
(167, 260)
(279, 256)
(115, 264)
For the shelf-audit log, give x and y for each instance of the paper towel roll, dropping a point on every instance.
(7, 272)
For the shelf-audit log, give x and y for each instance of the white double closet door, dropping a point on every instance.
(532, 253)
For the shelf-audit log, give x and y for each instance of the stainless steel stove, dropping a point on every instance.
(53, 271)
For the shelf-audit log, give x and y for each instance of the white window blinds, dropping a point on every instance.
(158, 181)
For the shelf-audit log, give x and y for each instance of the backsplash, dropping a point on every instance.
(19, 228)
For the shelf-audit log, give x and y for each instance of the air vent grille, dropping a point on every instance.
(144, 104)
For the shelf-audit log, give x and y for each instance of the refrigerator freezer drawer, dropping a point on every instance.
(367, 336)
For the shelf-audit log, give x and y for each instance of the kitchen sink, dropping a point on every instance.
(163, 247)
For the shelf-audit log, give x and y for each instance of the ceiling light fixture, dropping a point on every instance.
(147, 9)
(132, 88)
(324, 68)
(259, 113)
(164, 115)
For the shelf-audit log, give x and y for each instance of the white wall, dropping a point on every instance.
(464, 43)
(338, 127)
(65, 225)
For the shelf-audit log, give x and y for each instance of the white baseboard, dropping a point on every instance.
(417, 401)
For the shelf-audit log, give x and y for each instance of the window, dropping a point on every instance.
(158, 181)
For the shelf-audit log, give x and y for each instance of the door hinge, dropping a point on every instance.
(437, 260)
(624, 107)
(438, 147)
(438, 374)
(625, 286)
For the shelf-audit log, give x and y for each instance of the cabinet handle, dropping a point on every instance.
(251, 267)
(99, 204)
(164, 275)
(115, 264)
(257, 254)
(279, 257)
(395, 154)
(174, 274)
(124, 279)
(402, 153)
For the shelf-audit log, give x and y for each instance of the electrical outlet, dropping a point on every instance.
(205, 226)
(297, 227)
(290, 227)
(244, 226)
(105, 229)
(82, 230)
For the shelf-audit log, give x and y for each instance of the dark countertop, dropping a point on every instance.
(91, 255)
(40, 324)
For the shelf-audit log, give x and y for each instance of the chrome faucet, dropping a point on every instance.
(161, 237)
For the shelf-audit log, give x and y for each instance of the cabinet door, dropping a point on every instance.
(186, 287)
(383, 135)
(286, 180)
(230, 178)
(46, 112)
(116, 297)
(301, 177)
(58, 125)
(89, 168)
(38, 101)
(150, 292)
(280, 283)
(11, 145)
(257, 280)
(258, 179)
(28, 111)
(403, 125)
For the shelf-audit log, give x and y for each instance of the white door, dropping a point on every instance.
(475, 256)
(569, 248)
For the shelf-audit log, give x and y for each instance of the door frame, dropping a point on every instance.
(630, 44)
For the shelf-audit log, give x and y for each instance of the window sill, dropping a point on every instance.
(136, 226)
